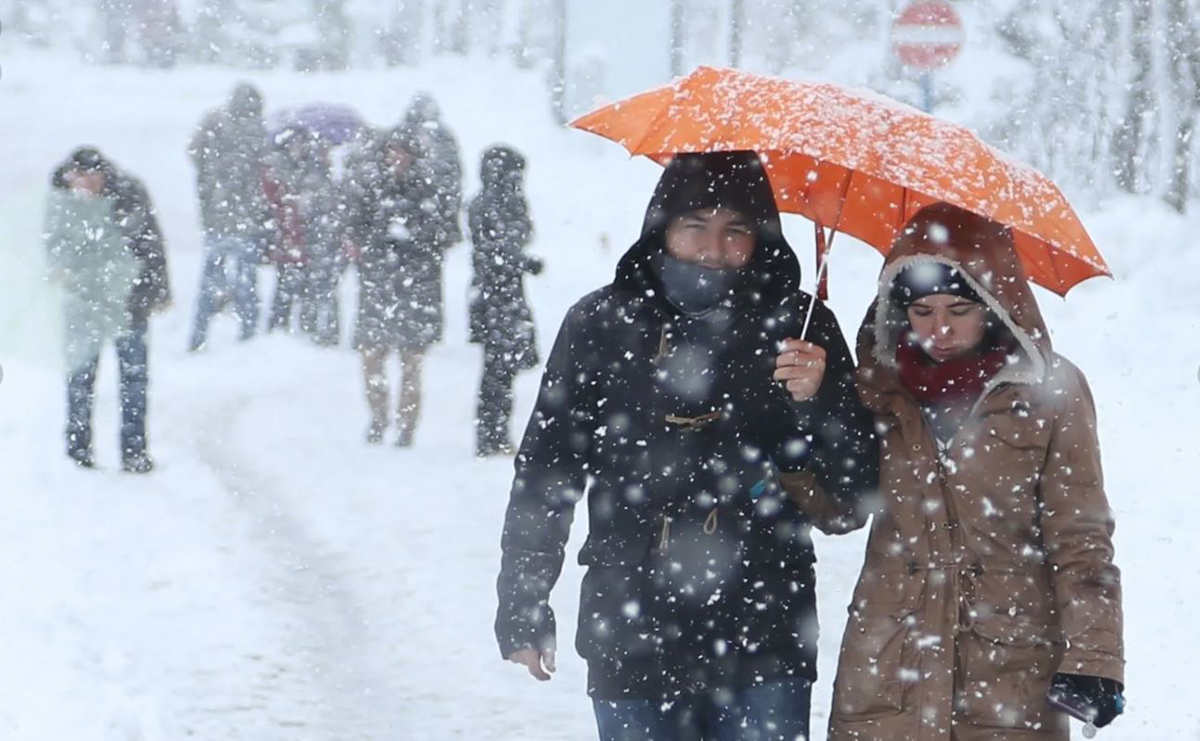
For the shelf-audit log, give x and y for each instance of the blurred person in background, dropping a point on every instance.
(231, 153)
(444, 164)
(289, 252)
(393, 225)
(501, 320)
(105, 248)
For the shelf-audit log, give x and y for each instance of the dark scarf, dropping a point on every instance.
(955, 381)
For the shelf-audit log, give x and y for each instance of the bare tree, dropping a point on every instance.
(558, 82)
(401, 41)
(1183, 45)
(678, 37)
(736, 12)
(1134, 135)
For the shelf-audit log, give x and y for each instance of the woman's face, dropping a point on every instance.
(714, 238)
(947, 326)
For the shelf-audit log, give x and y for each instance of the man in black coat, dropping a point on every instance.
(231, 153)
(697, 616)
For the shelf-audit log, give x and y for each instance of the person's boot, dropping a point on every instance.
(82, 457)
(489, 447)
(404, 435)
(409, 409)
(375, 431)
(138, 462)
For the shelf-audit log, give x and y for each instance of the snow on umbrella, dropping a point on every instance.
(334, 123)
(856, 161)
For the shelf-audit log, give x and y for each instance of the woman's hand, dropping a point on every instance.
(539, 664)
(801, 366)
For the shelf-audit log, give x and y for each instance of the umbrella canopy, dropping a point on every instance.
(856, 161)
(334, 123)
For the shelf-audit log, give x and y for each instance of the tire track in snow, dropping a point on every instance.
(327, 685)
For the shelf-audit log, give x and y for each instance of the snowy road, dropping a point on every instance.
(277, 579)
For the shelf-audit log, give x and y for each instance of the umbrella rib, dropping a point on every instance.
(653, 126)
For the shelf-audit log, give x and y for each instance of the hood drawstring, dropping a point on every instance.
(664, 537)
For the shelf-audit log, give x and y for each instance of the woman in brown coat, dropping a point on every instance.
(989, 576)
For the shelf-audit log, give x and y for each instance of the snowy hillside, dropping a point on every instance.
(278, 579)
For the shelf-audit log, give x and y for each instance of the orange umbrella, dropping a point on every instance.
(856, 161)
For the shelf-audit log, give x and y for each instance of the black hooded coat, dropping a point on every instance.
(501, 229)
(700, 569)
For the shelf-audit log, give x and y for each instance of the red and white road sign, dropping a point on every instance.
(927, 35)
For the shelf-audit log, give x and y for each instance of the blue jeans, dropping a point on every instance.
(230, 271)
(776, 711)
(81, 396)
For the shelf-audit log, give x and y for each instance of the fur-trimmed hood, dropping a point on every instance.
(984, 254)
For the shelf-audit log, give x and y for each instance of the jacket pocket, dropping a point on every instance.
(777, 612)
(1022, 437)
(1003, 674)
(877, 668)
(616, 615)
(615, 608)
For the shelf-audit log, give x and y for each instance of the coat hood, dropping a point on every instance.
(734, 180)
(501, 167)
(423, 110)
(984, 254)
(246, 101)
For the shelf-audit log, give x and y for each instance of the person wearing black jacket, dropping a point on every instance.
(501, 320)
(697, 617)
(105, 246)
(392, 220)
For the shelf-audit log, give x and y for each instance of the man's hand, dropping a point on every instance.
(540, 665)
(801, 366)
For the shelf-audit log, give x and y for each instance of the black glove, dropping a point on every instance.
(1099, 699)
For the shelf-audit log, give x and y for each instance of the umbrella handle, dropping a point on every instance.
(822, 272)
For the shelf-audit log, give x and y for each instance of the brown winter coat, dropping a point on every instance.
(989, 566)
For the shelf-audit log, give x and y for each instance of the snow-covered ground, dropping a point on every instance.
(275, 578)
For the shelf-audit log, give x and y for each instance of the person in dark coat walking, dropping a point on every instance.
(308, 227)
(501, 321)
(289, 252)
(231, 153)
(394, 224)
(444, 163)
(105, 247)
(697, 615)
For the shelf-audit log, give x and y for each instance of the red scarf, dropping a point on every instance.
(960, 379)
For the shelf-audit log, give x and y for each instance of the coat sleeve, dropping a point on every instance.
(1077, 528)
(147, 239)
(834, 467)
(550, 479)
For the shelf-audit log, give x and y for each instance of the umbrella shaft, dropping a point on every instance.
(821, 270)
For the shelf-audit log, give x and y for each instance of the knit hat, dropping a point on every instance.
(927, 278)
